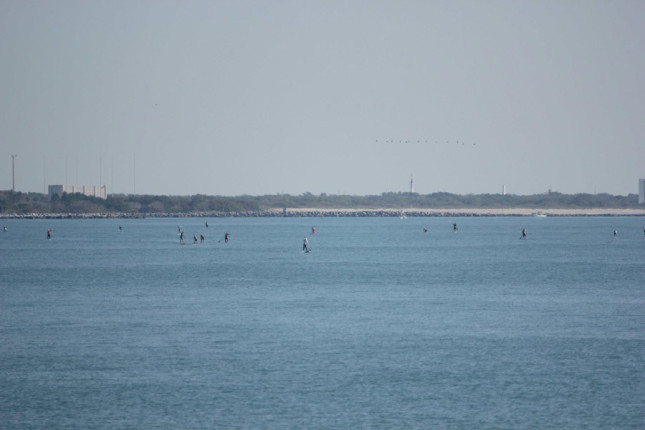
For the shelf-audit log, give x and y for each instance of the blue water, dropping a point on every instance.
(380, 326)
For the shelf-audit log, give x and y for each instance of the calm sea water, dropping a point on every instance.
(380, 326)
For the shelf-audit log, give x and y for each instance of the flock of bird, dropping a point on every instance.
(456, 142)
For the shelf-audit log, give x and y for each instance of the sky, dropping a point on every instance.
(337, 97)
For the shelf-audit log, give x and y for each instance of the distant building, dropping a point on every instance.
(641, 191)
(99, 191)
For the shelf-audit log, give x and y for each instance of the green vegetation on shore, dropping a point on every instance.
(36, 203)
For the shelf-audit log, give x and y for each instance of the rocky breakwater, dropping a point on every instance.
(314, 212)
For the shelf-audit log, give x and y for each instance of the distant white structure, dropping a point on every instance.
(411, 184)
(503, 190)
(641, 191)
(99, 191)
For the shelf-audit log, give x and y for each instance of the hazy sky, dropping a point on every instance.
(264, 97)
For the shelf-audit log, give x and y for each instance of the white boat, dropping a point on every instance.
(539, 215)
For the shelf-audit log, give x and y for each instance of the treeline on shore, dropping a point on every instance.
(36, 203)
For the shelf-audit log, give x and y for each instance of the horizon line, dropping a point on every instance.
(549, 192)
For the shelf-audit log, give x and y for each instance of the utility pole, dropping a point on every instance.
(13, 173)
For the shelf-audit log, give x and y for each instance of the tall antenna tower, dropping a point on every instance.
(13, 173)
(134, 173)
(411, 183)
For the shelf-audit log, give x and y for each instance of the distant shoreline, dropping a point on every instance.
(367, 212)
